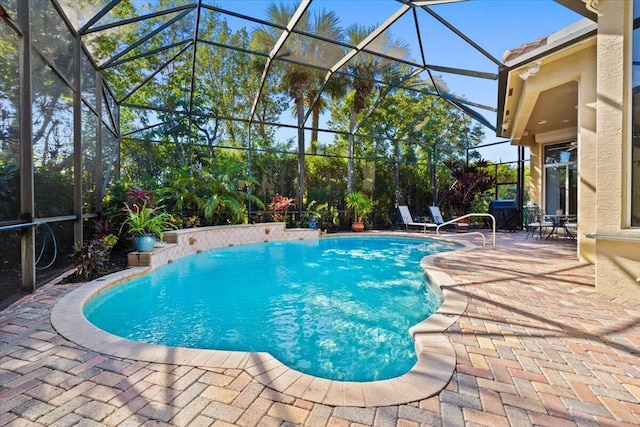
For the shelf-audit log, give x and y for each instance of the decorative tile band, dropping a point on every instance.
(189, 241)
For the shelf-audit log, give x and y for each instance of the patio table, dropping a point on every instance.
(560, 221)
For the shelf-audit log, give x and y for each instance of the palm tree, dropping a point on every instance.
(365, 68)
(298, 80)
(324, 24)
(336, 87)
(215, 191)
(296, 77)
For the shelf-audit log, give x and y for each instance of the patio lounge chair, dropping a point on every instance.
(438, 219)
(407, 220)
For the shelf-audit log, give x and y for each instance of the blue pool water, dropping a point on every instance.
(337, 308)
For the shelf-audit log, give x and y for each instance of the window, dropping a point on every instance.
(561, 178)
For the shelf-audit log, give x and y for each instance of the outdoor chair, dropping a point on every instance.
(570, 228)
(408, 220)
(534, 222)
(438, 219)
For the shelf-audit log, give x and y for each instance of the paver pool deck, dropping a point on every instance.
(535, 346)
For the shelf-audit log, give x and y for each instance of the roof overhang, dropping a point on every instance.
(527, 63)
(586, 8)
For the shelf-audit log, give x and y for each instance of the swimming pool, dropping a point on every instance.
(322, 307)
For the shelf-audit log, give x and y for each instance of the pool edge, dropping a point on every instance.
(431, 373)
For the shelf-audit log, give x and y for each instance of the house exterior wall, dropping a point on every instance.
(602, 68)
(578, 65)
(617, 260)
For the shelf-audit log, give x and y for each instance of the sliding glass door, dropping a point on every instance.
(561, 179)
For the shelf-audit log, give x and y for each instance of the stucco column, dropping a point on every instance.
(617, 254)
(610, 120)
(587, 199)
(535, 171)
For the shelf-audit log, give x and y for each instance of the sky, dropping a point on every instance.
(495, 25)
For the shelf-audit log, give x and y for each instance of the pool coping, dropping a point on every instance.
(431, 373)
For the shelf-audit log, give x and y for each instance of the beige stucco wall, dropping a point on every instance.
(577, 65)
(617, 262)
(535, 172)
(587, 194)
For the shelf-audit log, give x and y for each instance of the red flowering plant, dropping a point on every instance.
(138, 197)
(279, 207)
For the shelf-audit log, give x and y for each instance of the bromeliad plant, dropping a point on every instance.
(279, 207)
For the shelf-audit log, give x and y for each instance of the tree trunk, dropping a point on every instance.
(301, 163)
(315, 122)
(178, 147)
(350, 163)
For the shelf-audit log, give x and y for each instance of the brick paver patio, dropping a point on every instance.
(535, 346)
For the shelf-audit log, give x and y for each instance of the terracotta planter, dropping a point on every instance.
(357, 226)
(462, 225)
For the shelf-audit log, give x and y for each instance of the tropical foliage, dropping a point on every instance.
(213, 166)
(468, 192)
(93, 256)
(361, 205)
(142, 219)
(280, 206)
(216, 190)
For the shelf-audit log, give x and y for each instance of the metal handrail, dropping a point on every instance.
(612, 237)
(484, 241)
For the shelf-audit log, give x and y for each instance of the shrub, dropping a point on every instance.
(93, 256)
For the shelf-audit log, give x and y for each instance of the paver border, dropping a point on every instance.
(431, 373)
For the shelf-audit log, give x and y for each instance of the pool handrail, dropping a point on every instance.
(484, 241)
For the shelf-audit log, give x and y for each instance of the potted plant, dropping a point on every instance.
(146, 224)
(313, 216)
(362, 207)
